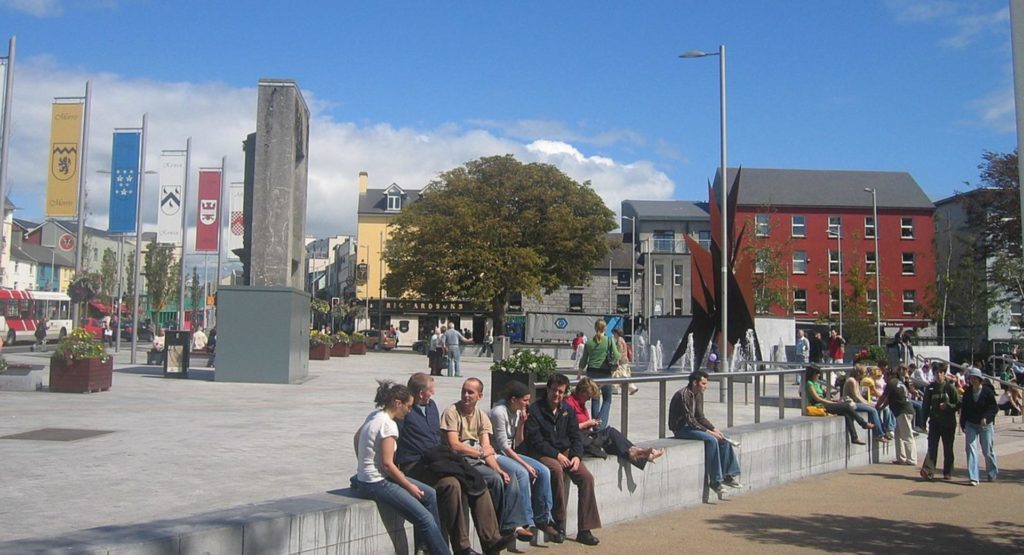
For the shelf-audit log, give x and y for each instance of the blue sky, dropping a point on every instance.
(405, 90)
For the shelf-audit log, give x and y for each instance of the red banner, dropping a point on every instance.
(208, 219)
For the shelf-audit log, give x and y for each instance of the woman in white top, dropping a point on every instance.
(379, 478)
(509, 420)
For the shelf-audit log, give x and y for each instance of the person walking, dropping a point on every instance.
(941, 402)
(896, 397)
(977, 420)
(453, 341)
(600, 358)
(803, 351)
(40, 335)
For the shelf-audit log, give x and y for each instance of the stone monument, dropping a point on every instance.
(263, 328)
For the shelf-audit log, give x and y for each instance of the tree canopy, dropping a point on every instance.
(495, 227)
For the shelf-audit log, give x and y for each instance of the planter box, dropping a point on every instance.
(319, 352)
(81, 376)
(357, 349)
(501, 379)
(340, 350)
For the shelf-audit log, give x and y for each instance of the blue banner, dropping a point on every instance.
(124, 181)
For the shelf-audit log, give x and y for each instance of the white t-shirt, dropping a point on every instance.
(378, 425)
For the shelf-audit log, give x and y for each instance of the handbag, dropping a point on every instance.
(610, 364)
(813, 410)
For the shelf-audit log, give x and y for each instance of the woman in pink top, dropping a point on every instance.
(609, 439)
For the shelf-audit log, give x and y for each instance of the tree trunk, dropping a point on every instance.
(499, 306)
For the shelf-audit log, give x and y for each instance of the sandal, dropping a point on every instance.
(654, 454)
(927, 475)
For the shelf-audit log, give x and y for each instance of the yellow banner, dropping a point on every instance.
(65, 147)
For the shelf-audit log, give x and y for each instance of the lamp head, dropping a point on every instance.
(693, 54)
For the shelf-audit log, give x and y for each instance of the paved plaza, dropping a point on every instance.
(181, 447)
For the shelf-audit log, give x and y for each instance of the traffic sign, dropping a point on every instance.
(66, 242)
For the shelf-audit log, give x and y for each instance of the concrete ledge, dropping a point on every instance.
(772, 453)
(22, 379)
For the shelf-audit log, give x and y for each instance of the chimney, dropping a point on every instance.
(363, 177)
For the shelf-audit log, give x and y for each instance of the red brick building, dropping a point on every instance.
(820, 224)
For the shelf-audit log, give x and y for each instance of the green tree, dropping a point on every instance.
(194, 289)
(993, 208)
(108, 276)
(129, 281)
(858, 318)
(495, 227)
(159, 287)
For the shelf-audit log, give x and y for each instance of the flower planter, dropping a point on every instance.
(81, 376)
(339, 350)
(319, 352)
(357, 349)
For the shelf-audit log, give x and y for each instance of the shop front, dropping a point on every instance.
(415, 319)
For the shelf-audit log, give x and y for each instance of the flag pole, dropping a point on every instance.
(5, 139)
(184, 202)
(138, 240)
(220, 229)
(82, 185)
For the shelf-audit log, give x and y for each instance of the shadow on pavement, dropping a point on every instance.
(857, 534)
(158, 372)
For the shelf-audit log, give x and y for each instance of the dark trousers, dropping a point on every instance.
(588, 517)
(945, 432)
(450, 508)
(617, 445)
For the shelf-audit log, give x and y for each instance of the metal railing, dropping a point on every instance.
(758, 378)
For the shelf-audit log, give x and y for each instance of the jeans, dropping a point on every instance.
(873, 417)
(918, 413)
(422, 513)
(888, 419)
(454, 357)
(720, 460)
(983, 434)
(506, 498)
(602, 409)
(538, 503)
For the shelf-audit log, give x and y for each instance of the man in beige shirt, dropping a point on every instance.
(467, 430)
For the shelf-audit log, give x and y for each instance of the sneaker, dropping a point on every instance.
(733, 483)
(718, 489)
(989, 479)
(974, 482)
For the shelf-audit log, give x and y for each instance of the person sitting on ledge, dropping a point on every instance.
(687, 421)
(553, 438)
(610, 440)
(815, 396)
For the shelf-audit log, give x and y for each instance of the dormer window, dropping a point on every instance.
(394, 202)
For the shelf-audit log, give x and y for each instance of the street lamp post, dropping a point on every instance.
(632, 278)
(878, 265)
(723, 355)
(839, 270)
(366, 283)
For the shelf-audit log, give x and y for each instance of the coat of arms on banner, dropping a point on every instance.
(170, 199)
(237, 223)
(208, 212)
(64, 161)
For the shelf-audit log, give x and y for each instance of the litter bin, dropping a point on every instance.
(177, 345)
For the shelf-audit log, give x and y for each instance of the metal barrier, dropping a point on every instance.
(758, 378)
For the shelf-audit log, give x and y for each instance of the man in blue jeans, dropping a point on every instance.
(687, 421)
(453, 340)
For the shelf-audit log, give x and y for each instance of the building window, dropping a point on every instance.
(799, 226)
(515, 302)
(761, 225)
(909, 301)
(659, 274)
(664, 241)
(622, 304)
(800, 301)
(799, 262)
(833, 262)
(870, 263)
(704, 238)
(658, 304)
(833, 301)
(835, 224)
(869, 227)
(622, 278)
(872, 300)
(677, 275)
(1015, 316)
(908, 263)
(394, 202)
(575, 302)
(759, 265)
(678, 307)
(906, 228)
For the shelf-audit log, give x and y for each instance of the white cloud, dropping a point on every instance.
(968, 23)
(218, 118)
(997, 111)
(38, 8)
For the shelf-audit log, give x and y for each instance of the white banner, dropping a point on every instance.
(236, 222)
(172, 186)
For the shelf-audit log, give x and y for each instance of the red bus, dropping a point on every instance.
(22, 310)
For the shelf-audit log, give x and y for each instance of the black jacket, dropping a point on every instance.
(985, 407)
(936, 394)
(549, 433)
(444, 461)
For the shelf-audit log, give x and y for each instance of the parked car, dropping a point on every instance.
(94, 326)
(374, 341)
(145, 332)
(420, 346)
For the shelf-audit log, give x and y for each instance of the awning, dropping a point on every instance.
(105, 309)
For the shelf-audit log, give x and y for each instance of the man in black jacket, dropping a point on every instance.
(977, 420)
(553, 437)
(941, 402)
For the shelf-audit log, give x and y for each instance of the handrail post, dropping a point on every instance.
(728, 381)
(662, 401)
(624, 417)
(782, 396)
(757, 399)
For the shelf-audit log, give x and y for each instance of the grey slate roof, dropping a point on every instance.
(675, 210)
(827, 188)
(41, 255)
(621, 254)
(376, 202)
